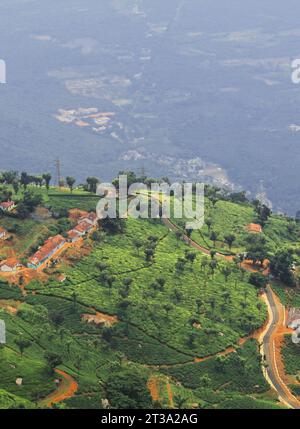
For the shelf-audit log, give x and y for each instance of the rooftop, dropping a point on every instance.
(50, 245)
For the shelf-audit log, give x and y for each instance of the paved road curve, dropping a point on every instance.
(273, 376)
(269, 350)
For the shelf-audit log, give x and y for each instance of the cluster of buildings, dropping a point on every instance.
(85, 223)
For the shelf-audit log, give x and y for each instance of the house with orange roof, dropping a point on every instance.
(254, 228)
(52, 245)
(10, 265)
(73, 236)
(83, 228)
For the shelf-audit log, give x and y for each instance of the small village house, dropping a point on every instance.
(7, 206)
(10, 265)
(83, 228)
(73, 236)
(52, 245)
(85, 224)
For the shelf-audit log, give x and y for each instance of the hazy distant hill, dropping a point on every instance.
(186, 88)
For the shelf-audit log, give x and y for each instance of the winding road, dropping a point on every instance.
(65, 390)
(276, 324)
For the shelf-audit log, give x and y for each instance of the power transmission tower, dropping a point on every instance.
(58, 171)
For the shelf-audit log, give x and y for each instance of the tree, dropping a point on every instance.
(213, 266)
(113, 226)
(180, 265)
(127, 282)
(229, 240)
(188, 233)
(161, 282)
(47, 178)
(25, 179)
(213, 254)
(70, 182)
(204, 263)
(110, 281)
(282, 265)
(138, 245)
(256, 248)
(190, 257)
(226, 271)
(258, 280)
(178, 235)
(126, 388)
(208, 223)
(149, 254)
(22, 345)
(263, 212)
(57, 318)
(92, 183)
(214, 237)
(29, 203)
(16, 187)
(53, 360)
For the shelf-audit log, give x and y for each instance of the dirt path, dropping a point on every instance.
(66, 389)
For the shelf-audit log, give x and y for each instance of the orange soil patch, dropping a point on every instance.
(100, 318)
(254, 228)
(170, 395)
(154, 388)
(66, 389)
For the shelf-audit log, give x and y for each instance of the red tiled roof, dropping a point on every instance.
(2, 230)
(82, 227)
(72, 234)
(7, 204)
(90, 216)
(51, 244)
